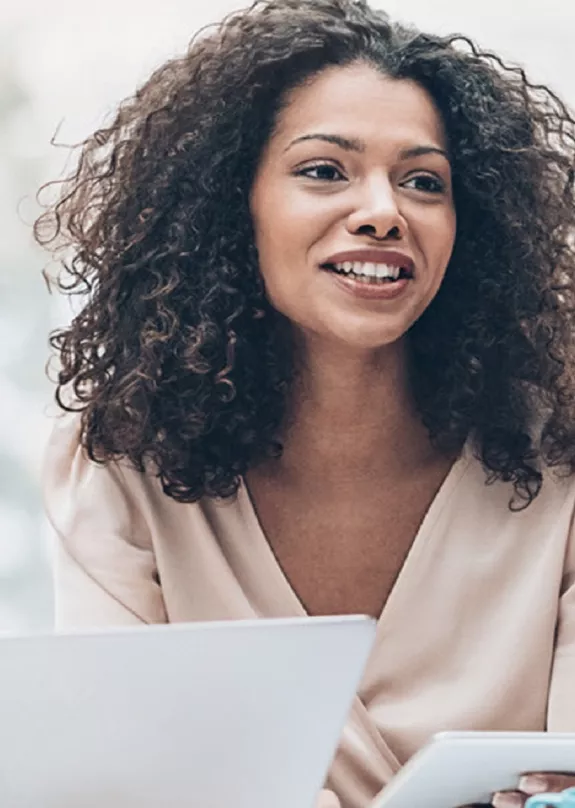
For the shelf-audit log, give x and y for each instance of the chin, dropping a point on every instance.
(350, 333)
(366, 341)
(370, 335)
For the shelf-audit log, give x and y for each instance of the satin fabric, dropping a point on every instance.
(478, 631)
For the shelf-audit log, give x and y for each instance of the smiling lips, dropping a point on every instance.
(372, 266)
(372, 273)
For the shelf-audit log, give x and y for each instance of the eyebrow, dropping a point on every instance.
(356, 145)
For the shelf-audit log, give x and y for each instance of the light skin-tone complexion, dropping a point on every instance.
(355, 224)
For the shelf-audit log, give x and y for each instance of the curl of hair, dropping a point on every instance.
(176, 357)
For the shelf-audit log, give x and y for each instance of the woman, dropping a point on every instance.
(331, 282)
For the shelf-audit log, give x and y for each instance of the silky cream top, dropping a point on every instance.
(478, 632)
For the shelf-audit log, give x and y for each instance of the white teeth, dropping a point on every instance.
(369, 269)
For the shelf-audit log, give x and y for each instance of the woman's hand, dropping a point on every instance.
(327, 799)
(530, 784)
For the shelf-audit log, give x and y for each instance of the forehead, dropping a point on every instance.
(363, 102)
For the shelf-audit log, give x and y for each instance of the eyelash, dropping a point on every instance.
(437, 185)
(304, 172)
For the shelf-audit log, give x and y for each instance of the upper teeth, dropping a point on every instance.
(372, 270)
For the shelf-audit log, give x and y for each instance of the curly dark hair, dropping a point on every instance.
(177, 358)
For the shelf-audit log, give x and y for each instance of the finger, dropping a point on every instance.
(508, 799)
(539, 782)
(476, 805)
(327, 799)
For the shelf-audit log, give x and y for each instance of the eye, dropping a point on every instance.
(426, 183)
(324, 172)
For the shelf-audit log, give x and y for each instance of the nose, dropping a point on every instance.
(376, 212)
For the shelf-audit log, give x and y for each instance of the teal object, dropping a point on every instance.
(561, 799)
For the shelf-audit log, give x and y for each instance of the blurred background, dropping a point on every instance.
(64, 65)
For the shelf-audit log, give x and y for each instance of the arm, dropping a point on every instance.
(105, 568)
(561, 701)
(561, 705)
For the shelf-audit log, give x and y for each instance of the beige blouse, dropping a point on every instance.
(478, 632)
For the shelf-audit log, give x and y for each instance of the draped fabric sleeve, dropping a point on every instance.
(561, 709)
(104, 565)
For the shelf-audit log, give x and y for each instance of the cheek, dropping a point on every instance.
(274, 225)
(445, 250)
(452, 230)
(286, 230)
(441, 239)
(275, 249)
(284, 262)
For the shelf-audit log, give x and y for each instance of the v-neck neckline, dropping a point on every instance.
(278, 598)
(283, 586)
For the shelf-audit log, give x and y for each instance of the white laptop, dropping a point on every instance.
(211, 715)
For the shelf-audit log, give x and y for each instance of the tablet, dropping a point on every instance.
(213, 715)
(462, 768)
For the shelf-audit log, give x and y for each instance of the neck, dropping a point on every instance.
(353, 416)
